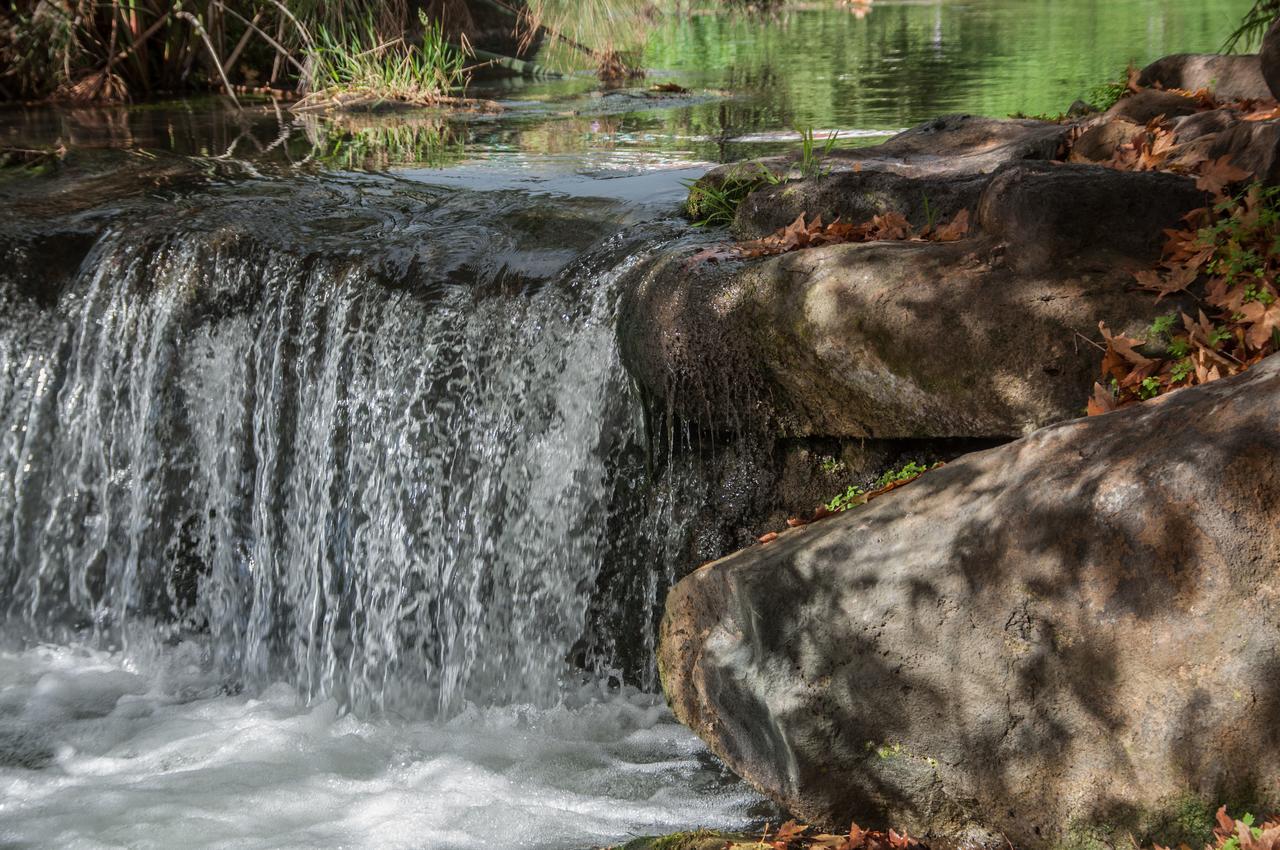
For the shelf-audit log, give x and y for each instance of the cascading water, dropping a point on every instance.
(388, 477)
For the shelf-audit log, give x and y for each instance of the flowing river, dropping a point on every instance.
(329, 514)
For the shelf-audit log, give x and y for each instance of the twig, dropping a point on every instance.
(212, 53)
(141, 39)
(271, 41)
(1091, 342)
(244, 40)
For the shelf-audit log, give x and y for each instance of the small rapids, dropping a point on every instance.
(326, 519)
(95, 754)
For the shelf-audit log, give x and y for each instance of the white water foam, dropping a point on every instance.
(98, 751)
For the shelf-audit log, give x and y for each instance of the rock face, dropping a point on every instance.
(907, 340)
(1269, 57)
(1079, 630)
(857, 196)
(1229, 77)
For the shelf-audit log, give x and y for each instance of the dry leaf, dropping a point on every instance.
(1217, 175)
(955, 230)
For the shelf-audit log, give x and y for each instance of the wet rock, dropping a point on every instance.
(1143, 106)
(1080, 109)
(1269, 58)
(950, 146)
(1228, 76)
(1074, 634)
(23, 747)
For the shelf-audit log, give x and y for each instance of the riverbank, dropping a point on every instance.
(969, 657)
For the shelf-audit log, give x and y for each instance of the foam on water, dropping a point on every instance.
(97, 750)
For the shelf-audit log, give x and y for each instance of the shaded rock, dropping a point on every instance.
(896, 340)
(1228, 76)
(1099, 142)
(1269, 58)
(1142, 107)
(1051, 213)
(1075, 633)
(1253, 146)
(1201, 124)
(1080, 109)
(856, 197)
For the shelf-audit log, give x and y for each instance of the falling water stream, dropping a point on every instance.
(302, 523)
(328, 514)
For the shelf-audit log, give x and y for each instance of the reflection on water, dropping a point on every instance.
(819, 65)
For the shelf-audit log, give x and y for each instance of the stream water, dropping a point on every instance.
(328, 511)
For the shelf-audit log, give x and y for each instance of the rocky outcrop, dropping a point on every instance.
(902, 340)
(1075, 632)
(1229, 77)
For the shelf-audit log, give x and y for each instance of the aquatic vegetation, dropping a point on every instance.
(355, 57)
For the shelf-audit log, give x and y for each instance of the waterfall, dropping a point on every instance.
(396, 493)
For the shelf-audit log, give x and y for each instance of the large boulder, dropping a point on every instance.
(1228, 76)
(1072, 637)
(977, 338)
(1269, 58)
(1253, 146)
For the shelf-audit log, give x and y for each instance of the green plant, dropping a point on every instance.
(855, 495)
(851, 497)
(1106, 95)
(714, 204)
(893, 476)
(811, 154)
(1162, 325)
(831, 465)
(355, 57)
(1253, 25)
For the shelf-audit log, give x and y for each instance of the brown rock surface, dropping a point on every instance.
(1079, 629)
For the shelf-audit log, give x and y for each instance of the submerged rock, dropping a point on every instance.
(1076, 633)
